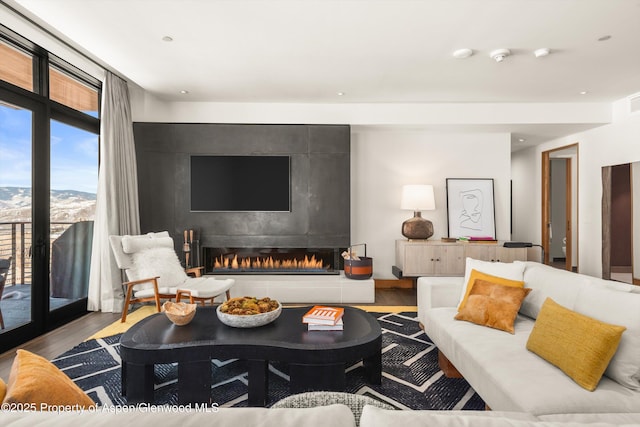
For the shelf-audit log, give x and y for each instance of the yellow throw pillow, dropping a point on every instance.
(33, 379)
(475, 275)
(3, 390)
(493, 305)
(579, 345)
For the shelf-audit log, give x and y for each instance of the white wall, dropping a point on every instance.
(526, 210)
(384, 160)
(397, 144)
(616, 143)
(146, 107)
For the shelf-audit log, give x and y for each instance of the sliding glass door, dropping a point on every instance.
(72, 203)
(49, 127)
(16, 219)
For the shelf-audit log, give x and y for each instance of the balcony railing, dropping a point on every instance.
(15, 243)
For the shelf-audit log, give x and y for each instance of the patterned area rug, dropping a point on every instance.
(411, 378)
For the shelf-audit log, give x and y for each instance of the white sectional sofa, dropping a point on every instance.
(511, 378)
(336, 415)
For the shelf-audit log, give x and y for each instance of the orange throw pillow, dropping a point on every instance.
(478, 275)
(493, 305)
(33, 379)
(3, 390)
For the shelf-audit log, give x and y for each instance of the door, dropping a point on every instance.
(451, 261)
(22, 225)
(559, 207)
(49, 126)
(73, 172)
(619, 262)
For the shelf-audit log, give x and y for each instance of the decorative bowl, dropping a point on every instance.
(180, 313)
(248, 320)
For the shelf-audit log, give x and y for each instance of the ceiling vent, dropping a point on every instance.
(634, 103)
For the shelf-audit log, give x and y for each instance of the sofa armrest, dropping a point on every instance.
(439, 291)
(436, 292)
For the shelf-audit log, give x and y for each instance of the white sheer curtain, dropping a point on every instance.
(117, 199)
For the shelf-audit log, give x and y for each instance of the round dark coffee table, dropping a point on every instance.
(316, 359)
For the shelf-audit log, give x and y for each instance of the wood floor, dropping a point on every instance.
(62, 339)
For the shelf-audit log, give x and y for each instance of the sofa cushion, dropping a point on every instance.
(376, 417)
(616, 286)
(505, 270)
(620, 308)
(618, 418)
(493, 305)
(35, 380)
(579, 345)
(184, 416)
(547, 282)
(477, 275)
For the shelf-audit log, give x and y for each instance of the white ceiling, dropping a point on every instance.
(393, 51)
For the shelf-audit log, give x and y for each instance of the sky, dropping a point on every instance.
(74, 153)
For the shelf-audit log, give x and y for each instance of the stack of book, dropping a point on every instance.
(321, 318)
(477, 239)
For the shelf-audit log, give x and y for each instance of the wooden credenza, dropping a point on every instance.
(434, 258)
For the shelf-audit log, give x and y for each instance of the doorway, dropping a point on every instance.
(559, 207)
(618, 234)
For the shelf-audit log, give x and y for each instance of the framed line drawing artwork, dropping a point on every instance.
(471, 208)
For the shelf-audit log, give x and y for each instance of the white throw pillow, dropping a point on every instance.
(619, 308)
(161, 262)
(507, 270)
(133, 244)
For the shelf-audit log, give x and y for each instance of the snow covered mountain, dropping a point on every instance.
(66, 205)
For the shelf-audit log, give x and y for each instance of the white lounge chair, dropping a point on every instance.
(154, 272)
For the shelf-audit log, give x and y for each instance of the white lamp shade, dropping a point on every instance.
(418, 198)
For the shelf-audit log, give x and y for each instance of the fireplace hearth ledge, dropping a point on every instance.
(313, 289)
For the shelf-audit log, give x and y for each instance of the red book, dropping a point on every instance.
(322, 315)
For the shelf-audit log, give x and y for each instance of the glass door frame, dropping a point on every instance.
(71, 117)
(43, 111)
(39, 216)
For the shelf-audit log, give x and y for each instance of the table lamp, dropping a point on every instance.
(417, 198)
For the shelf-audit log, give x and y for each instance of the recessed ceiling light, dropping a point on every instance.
(184, 92)
(499, 55)
(167, 39)
(340, 93)
(521, 140)
(542, 52)
(604, 38)
(462, 53)
(583, 92)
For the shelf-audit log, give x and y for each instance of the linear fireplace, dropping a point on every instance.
(272, 260)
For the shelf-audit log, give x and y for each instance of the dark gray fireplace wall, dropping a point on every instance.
(320, 183)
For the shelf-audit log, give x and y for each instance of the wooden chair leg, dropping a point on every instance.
(181, 292)
(228, 295)
(1, 320)
(156, 294)
(127, 301)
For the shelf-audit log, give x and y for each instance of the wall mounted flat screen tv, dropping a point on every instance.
(240, 183)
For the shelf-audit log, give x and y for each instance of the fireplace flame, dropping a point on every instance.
(267, 263)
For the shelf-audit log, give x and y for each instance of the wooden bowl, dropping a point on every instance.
(180, 313)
